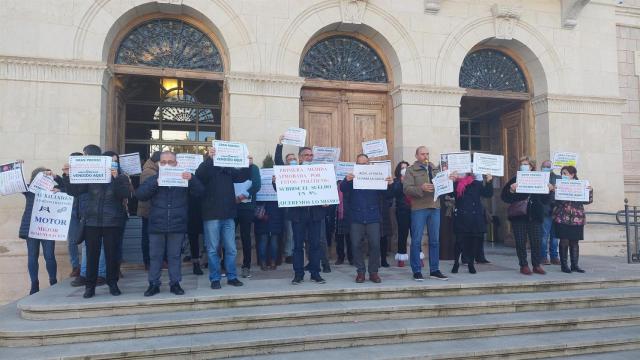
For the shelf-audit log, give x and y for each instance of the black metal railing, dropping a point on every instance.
(630, 219)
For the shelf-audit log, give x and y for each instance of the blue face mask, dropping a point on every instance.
(114, 165)
(566, 177)
(293, 162)
(525, 168)
(546, 169)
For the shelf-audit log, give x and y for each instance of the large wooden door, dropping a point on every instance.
(512, 131)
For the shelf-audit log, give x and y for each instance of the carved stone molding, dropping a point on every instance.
(52, 70)
(432, 6)
(574, 104)
(426, 95)
(352, 11)
(505, 18)
(570, 11)
(264, 85)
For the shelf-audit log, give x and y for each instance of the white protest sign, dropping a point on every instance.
(295, 136)
(189, 162)
(484, 164)
(572, 190)
(306, 185)
(12, 179)
(375, 148)
(442, 184)
(532, 182)
(266, 192)
(172, 176)
(50, 216)
(230, 154)
(90, 169)
(342, 169)
(370, 177)
(456, 162)
(130, 163)
(243, 189)
(561, 159)
(325, 155)
(42, 182)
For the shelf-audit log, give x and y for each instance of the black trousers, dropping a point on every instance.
(467, 244)
(244, 220)
(343, 240)
(95, 237)
(404, 225)
(194, 246)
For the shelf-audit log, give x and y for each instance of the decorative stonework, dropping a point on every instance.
(432, 6)
(52, 70)
(594, 105)
(505, 19)
(264, 85)
(352, 11)
(570, 11)
(426, 95)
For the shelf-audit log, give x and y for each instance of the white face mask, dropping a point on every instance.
(403, 171)
(525, 167)
(478, 177)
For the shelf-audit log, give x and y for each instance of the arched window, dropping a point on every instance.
(169, 43)
(343, 58)
(489, 69)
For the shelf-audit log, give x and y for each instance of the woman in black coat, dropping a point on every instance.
(469, 220)
(268, 230)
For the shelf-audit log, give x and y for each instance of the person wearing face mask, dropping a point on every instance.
(549, 243)
(526, 213)
(289, 159)
(403, 212)
(469, 220)
(568, 224)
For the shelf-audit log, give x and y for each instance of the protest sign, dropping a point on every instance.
(532, 182)
(306, 185)
(370, 177)
(442, 184)
(561, 159)
(459, 162)
(42, 182)
(484, 164)
(12, 179)
(295, 136)
(51, 216)
(230, 154)
(572, 190)
(243, 189)
(342, 169)
(90, 169)
(130, 164)
(190, 162)
(375, 148)
(325, 155)
(267, 192)
(172, 176)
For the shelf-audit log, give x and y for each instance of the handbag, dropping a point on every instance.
(518, 208)
(77, 236)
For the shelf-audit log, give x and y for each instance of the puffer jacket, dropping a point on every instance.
(365, 206)
(416, 175)
(469, 213)
(25, 223)
(103, 205)
(149, 169)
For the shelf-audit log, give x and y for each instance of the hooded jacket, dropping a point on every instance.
(149, 169)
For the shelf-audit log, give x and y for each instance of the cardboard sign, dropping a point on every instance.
(561, 159)
(190, 162)
(172, 176)
(532, 182)
(370, 177)
(51, 216)
(90, 169)
(295, 136)
(325, 155)
(306, 185)
(375, 148)
(572, 190)
(42, 182)
(484, 164)
(12, 179)
(342, 169)
(442, 184)
(266, 192)
(130, 164)
(230, 154)
(459, 162)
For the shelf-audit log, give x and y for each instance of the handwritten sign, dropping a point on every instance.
(90, 169)
(51, 216)
(442, 184)
(370, 177)
(342, 169)
(130, 163)
(456, 162)
(561, 159)
(375, 148)
(190, 162)
(572, 190)
(295, 136)
(266, 192)
(42, 182)
(532, 182)
(230, 154)
(12, 179)
(484, 164)
(172, 176)
(306, 185)
(325, 155)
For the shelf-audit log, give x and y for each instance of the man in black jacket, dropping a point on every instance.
(168, 219)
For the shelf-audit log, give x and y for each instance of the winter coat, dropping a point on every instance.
(274, 223)
(365, 206)
(469, 213)
(25, 223)
(149, 169)
(417, 175)
(169, 205)
(251, 173)
(103, 206)
(570, 212)
(397, 190)
(535, 204)
(219, 199)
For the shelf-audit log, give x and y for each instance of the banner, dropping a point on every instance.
(370, 177)
(12, 179)
(488, 164)
(51, 216)
(325, 155)
(306, 185)
(231, 154)
(130, 164)
(561, 159)
(267, 192)
(172, 176)
(190, 162)
(90, 169)
(532, 182)
(295, 136)
(442, 184)
(459, 162)
(375, 148)
(572, 190)
(343, 169)
(42, 182)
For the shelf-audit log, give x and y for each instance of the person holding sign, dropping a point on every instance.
(168, 219)
(425, 210)
(403, 212)
(469, 220)
(149, 169)
(365, 208)
(289, 159)
(568, 223)
(549, 244)
(526, 213)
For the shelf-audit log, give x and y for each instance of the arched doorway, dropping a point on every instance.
(345, 97)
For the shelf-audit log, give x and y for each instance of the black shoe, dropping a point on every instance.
(234, 282)
(574, 251)
(100, 281)
(483, 261)
(318, 279)
(438, 275)
(563, 259)
(297, 280)
(53, 282)
(89, 292)
(215, 285)
(326, 269)
(152, 290)
(113, 290)
(176, 289)
(79, 281)
(35, 287)
(454, 269)
(196, 269)
(384, 263)
(418, 276)
(472, 269)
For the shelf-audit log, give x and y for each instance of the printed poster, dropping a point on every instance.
(375, 148)
(90, 169)
(266, 192)
(306, 185)
(190, 162)
(231, 154)
(459, 162)
(295, 136)
(572, 190)
(370, 177)
(51, 216)
(12, 179)
(172, 176)
(442, 184)
(130, 164)
(488, 164)
(325, 155)
(532, 182)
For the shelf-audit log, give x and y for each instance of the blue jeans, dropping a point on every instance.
(546, 236)
(216, 231)
(74, 258)
(33, 253)
(430, 217)
(102, 266)
(309, 230)
(269, 241)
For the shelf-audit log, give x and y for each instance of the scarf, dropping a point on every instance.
(462, 184)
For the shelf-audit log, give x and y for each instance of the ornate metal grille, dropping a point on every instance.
(491, 70)
(343, 58)
(169, 43)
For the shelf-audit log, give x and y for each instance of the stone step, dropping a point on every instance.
(617, 355)
(15, 331)
(63, 302)
(438, 330)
